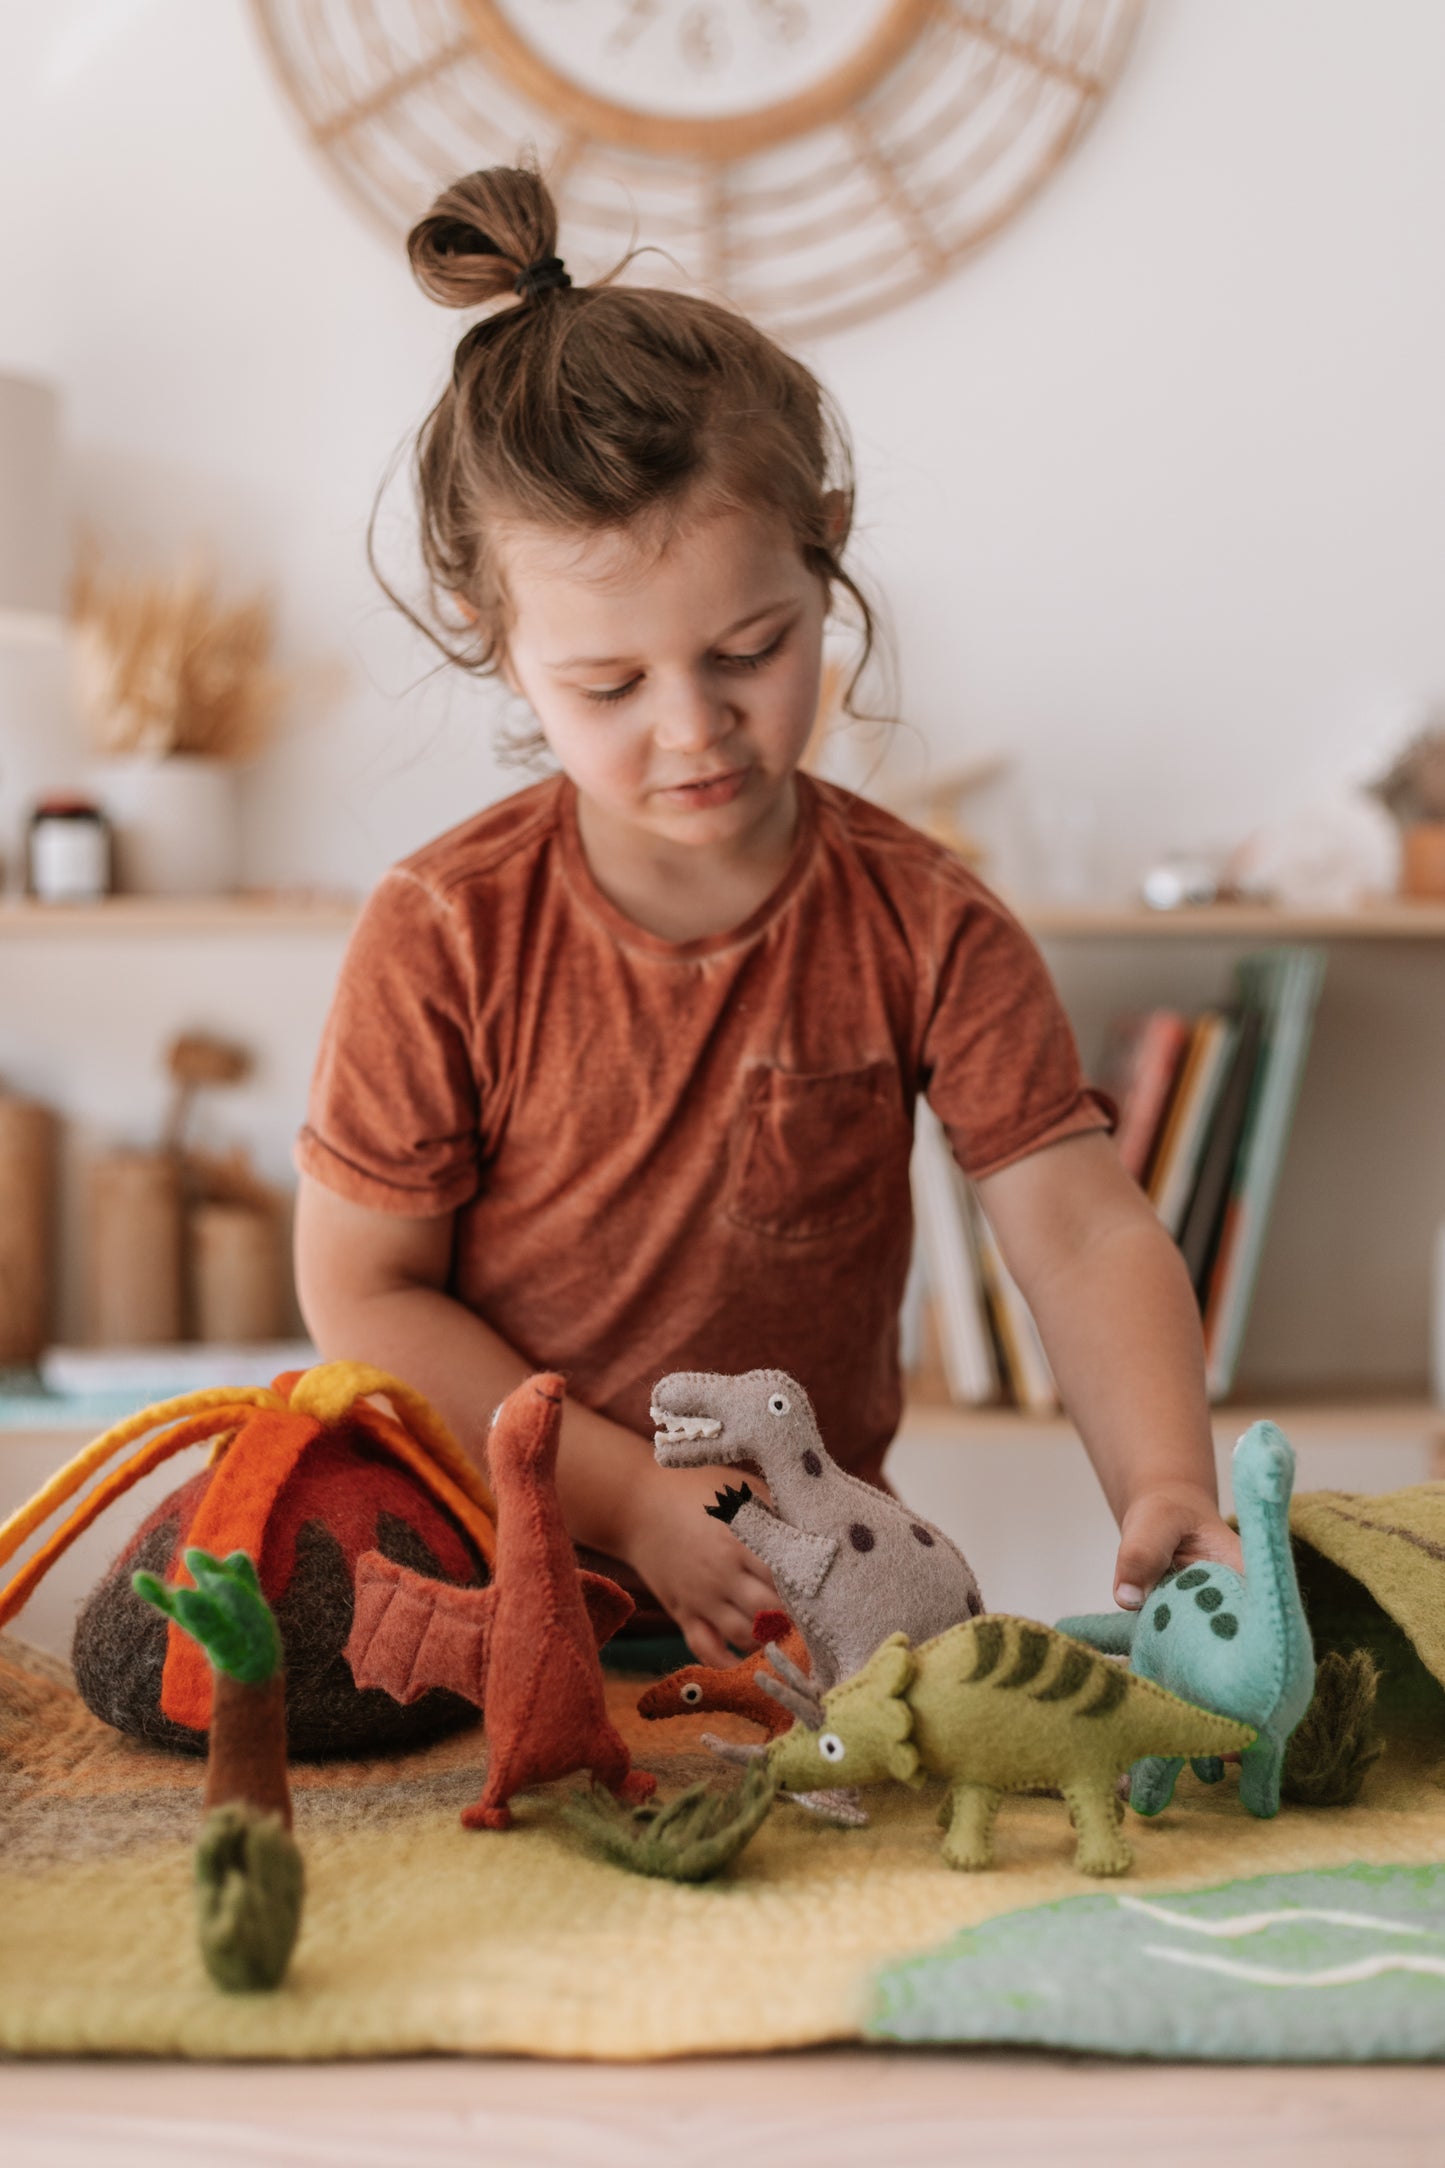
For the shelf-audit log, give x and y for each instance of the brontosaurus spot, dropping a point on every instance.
(1161, 1617)
(861, 1536)
(1226, 1625)
(1195, 1577)
(811, 1463)
(921, 1535)
(1209, 1599)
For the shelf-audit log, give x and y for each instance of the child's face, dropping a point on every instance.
(675, 684)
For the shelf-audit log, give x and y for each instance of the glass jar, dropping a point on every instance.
(68, 853)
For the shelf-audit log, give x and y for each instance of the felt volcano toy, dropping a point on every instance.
(305, 1475)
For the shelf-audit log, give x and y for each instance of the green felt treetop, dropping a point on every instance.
(225, 1612)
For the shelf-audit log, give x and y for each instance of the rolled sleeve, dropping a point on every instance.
(1000, 1066)
(393, 1116)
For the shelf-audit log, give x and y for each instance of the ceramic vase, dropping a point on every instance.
(176, 822)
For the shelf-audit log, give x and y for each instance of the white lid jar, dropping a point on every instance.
(68, 852)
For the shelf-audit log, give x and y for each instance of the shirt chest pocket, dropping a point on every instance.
(812, 1155)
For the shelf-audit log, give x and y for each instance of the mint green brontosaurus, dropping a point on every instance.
(1239, 1646)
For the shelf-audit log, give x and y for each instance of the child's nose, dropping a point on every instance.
(691, 717)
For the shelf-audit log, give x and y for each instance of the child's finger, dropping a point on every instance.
(1220, 1544)
(754, 1590)
(736, 1627)
(706, 1644)
(1146, 1550)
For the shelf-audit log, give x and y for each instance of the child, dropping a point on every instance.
(620, 1074)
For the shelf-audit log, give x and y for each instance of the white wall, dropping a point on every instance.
(1153, 487)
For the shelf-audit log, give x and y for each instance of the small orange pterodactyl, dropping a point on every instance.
(524, 1648)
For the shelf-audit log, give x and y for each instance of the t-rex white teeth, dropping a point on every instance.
(684, 1426)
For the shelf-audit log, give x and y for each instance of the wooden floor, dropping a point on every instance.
(838, 2109)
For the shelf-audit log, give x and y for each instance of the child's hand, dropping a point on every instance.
(1170, 1526)
(710, 1583)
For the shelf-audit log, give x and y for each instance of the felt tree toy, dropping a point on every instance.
(852, 1564)
(304, 1475)
(994, 1705)
(525, 1648)
(249, 1877)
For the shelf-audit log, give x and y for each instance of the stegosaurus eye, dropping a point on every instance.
(831, 1747)
(778, 1404)
(692, 1693)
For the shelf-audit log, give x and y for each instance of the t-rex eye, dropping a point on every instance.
(831, 1747)
(692, 1693)
(778, 1404)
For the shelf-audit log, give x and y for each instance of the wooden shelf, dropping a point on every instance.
(1400, 1419)
(259, 911)
(1390, 918)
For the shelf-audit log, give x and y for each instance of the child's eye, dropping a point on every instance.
(606, 694)
(756, 660)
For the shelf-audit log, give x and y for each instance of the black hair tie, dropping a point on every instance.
(541, 277)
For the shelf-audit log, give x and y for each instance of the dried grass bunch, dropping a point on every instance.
(162, 666)
(1414, 787)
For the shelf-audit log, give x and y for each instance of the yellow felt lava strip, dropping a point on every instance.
(67, 1481)
(329, 1390)
(18, 1591)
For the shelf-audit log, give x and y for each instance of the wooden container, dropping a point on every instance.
(1422, 859)
(235, 1273)
(135, 1224)
(27, 1209)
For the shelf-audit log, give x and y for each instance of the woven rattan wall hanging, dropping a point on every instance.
(817, 161)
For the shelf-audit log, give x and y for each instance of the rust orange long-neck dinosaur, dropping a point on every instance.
(524, 1648)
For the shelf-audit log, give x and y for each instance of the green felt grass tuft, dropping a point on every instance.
(689, 1839)
(1335, 1743)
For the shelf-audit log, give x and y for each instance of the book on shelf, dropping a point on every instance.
(1282, 987)
(988, 1346)
(1140, 1067)
(1186, 1131)
(1024, 1362)
(949, 1265)
(1204, 1213)
(1218, 1094)
(1218, 1146)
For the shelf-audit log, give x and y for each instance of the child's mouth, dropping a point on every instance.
(714, 790)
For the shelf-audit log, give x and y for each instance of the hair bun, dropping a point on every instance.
(482, 236)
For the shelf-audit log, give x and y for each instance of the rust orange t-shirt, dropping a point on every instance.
(686, 1155)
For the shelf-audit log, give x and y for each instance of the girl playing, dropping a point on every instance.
(620, 1074)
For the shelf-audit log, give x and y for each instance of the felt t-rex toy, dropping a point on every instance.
(1241, 1646)
(249, 1877)
(304, 1475)
(524, 1648)
(852, 1564)
(729, 1689)
(994, 1705)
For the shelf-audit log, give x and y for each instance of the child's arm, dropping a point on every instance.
(372, 1283)
(1113, 1303)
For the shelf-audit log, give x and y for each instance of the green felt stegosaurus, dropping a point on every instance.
(993, 1705)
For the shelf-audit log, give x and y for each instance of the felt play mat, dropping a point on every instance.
(1320, 1935)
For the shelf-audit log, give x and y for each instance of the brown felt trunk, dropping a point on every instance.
(247, 1758)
